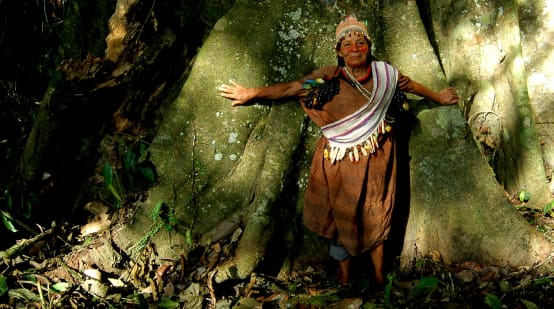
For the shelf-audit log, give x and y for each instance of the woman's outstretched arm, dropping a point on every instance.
(240, 94)
(446, 96)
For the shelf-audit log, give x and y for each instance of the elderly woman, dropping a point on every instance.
(351, 188)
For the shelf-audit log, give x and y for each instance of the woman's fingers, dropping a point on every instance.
(225, 88)
(233, 88)
(233, 91)
(227, 91)
(449, 96)
(454, 98)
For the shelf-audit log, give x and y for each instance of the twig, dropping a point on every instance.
(45, 14)
(144, 23)
(135, 137)
(248, 290)
(213, 298)
(41, 295)
(193, 168)
(23, 245)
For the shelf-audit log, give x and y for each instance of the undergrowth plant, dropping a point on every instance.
(10, 208)
(137, 173)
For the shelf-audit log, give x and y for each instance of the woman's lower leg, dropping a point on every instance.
(377, 258)
(344, 271)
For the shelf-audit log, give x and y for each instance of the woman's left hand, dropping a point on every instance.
(448, 96)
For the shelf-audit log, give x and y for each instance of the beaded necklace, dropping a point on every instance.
(354, 82)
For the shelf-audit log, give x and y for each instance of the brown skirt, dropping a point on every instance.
(352, 202)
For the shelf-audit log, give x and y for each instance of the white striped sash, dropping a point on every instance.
(362, 128)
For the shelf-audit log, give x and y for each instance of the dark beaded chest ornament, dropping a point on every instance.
(323, 91)
(320, 92)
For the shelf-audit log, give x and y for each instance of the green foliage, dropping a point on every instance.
(140, 301)
(322, 300)
(156, 211)
(8, 209)
(420, 264)
(529, 304)
(292, 287)
(3, 285)
(541, 281)
(492, 301)
(166, 213)
(6, 219)
(60, 287)
(524, 196)
(168, 303)
(199, 183)
(200, 177)
(137, 172)
(188, 238)
(137, 168)
(149, 174)
(26, 201)
(107, 172)
(141, 244)
(388, 288)
(8, 198)
(547, 210)
(425, 285)
(163, 216)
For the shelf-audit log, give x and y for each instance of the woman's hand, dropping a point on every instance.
(236, 92)
(448, 96)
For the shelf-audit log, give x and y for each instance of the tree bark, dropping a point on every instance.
(248, 166)
(486, 63)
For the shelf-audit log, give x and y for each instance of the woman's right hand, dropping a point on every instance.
(236, 92)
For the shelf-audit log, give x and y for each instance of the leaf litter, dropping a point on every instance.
(45, 273)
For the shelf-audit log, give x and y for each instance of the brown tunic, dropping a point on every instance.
(351, 202)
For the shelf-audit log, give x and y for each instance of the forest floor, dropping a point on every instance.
(38, 275)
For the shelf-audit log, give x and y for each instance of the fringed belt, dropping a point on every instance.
(365, 148)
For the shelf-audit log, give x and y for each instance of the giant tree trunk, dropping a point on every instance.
(224, 164)
(223, 169)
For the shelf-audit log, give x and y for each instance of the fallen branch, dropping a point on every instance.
(23, 245)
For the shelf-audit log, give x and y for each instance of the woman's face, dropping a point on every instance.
(354, 50)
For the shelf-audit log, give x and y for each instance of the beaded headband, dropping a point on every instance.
(349, 25)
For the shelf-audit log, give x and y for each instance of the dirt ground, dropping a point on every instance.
(52, 270)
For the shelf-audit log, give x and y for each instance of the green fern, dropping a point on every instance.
(107, 172)
(547, 210)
